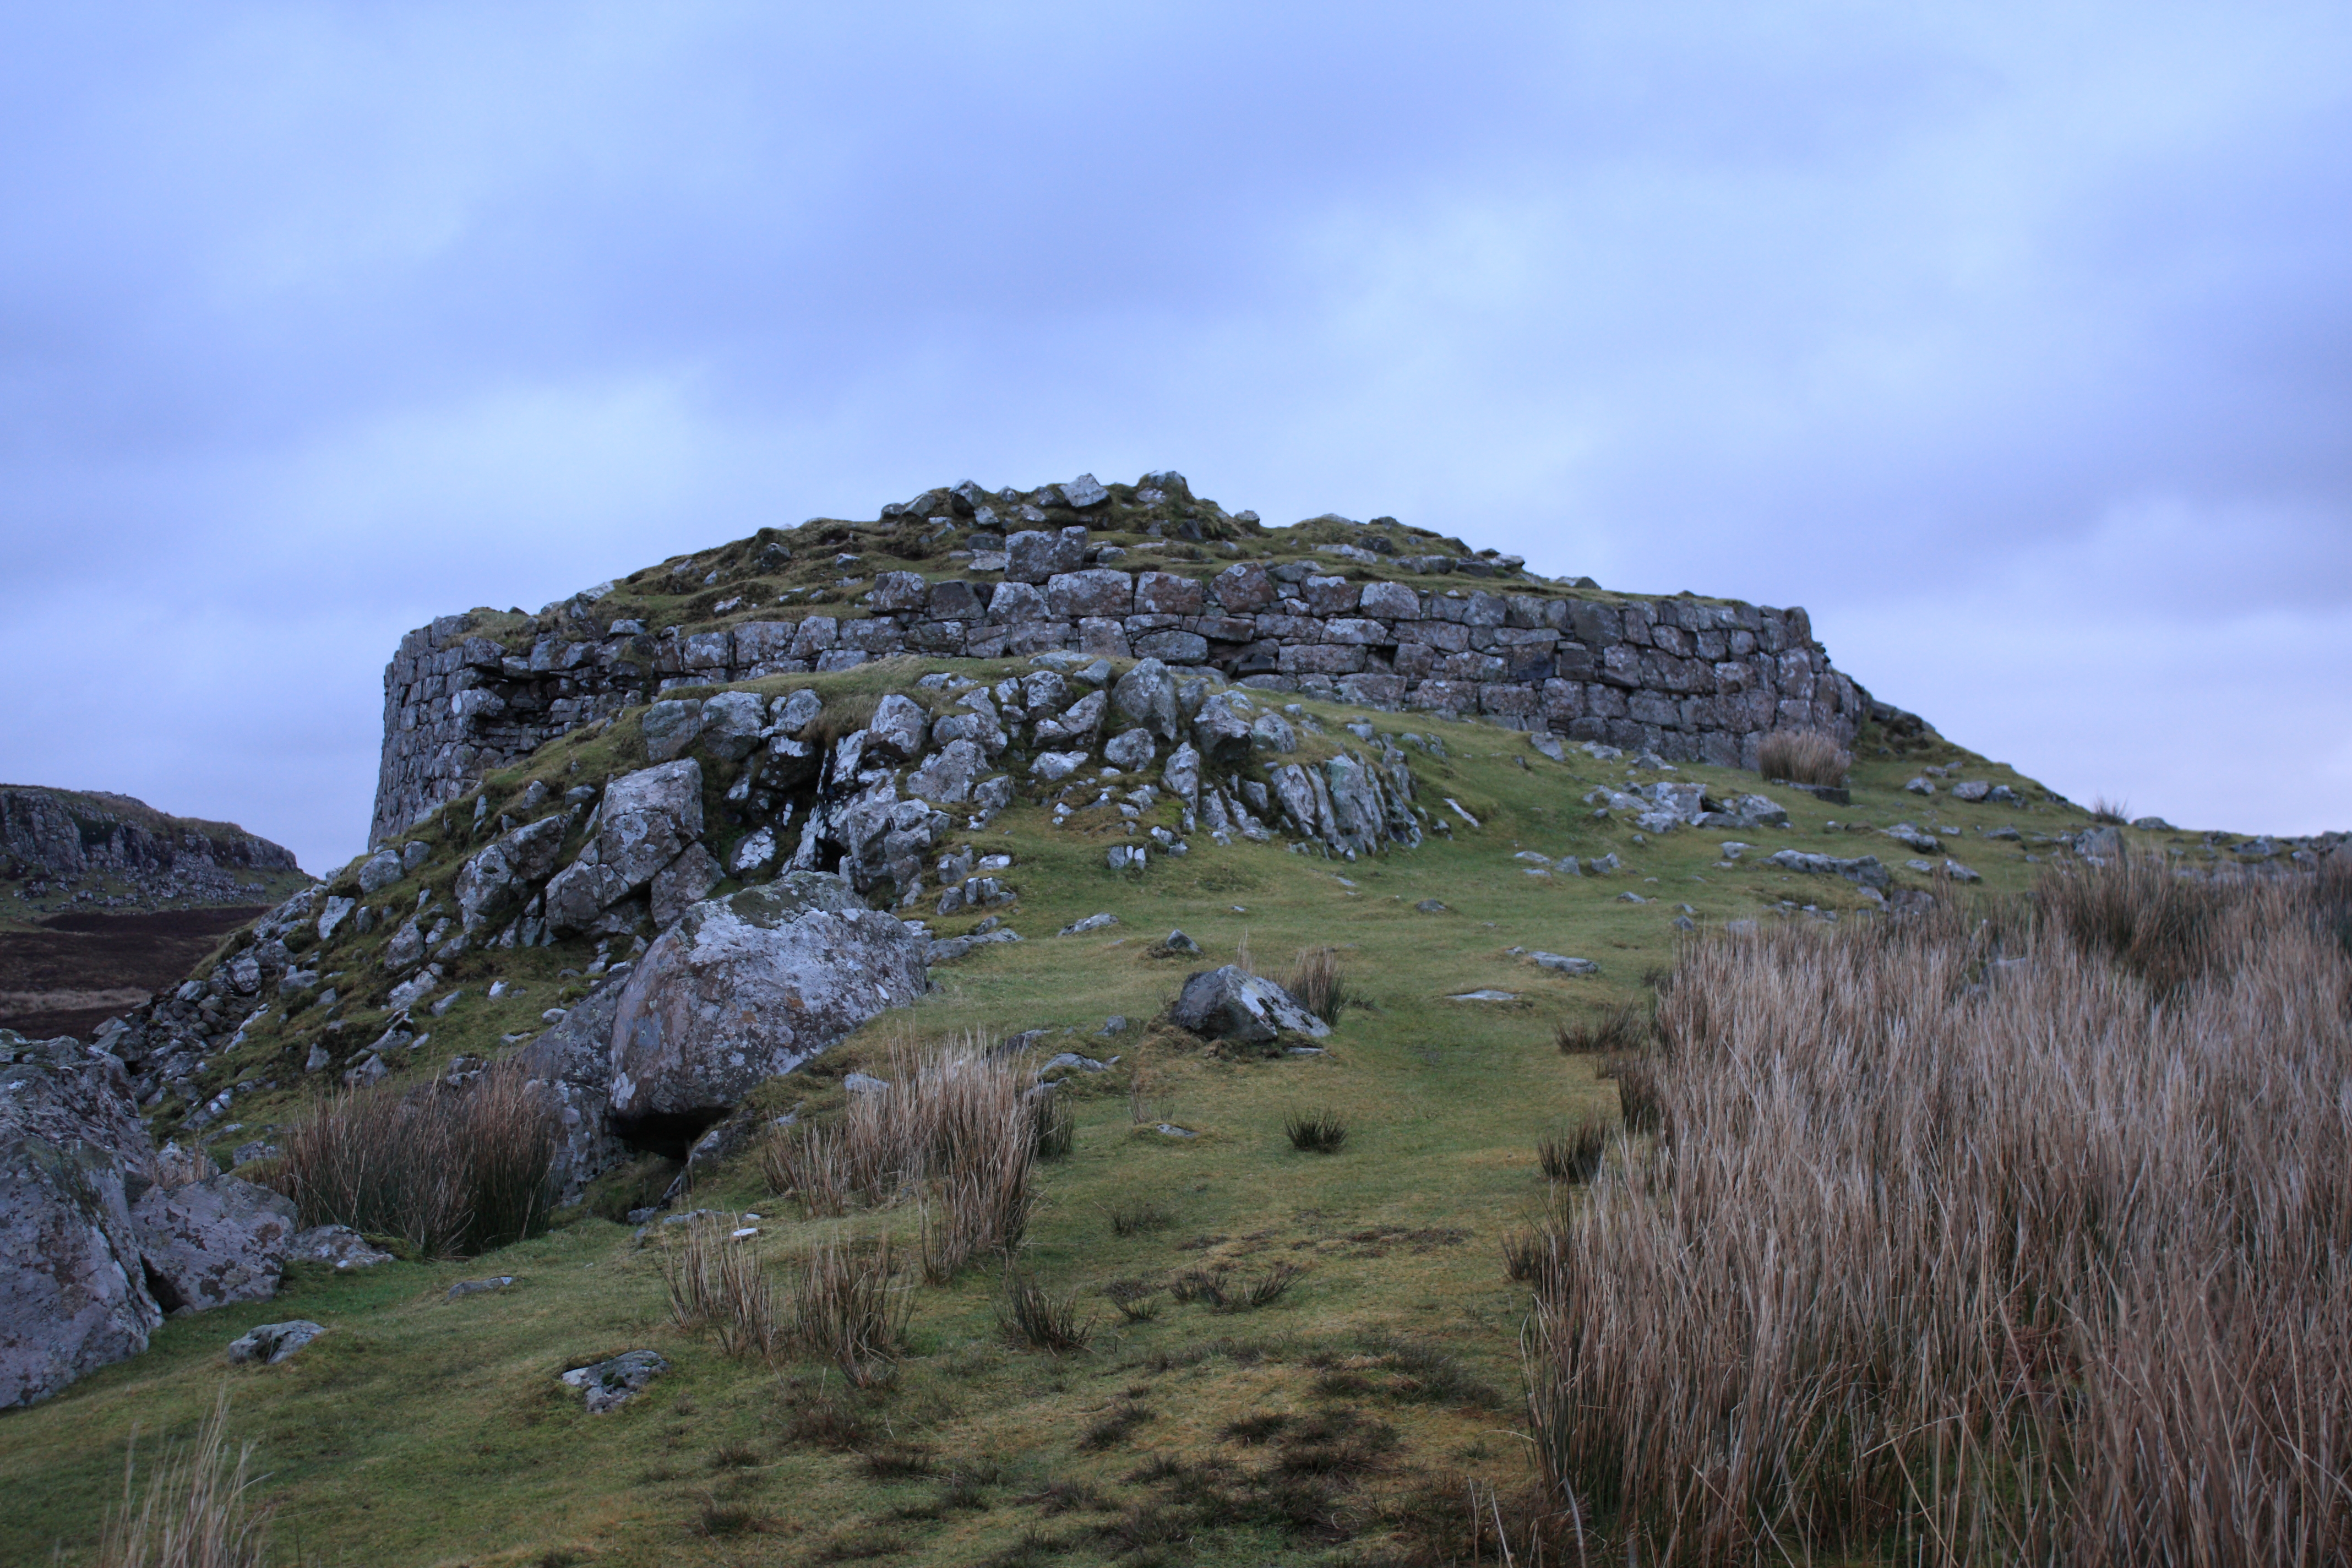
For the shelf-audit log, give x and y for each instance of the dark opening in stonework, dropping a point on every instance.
(668, 1134)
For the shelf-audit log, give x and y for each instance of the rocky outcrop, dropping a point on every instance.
(746, 988)
(1690, 679)
(51, 838)
(1232, 1004)
(73, 1159)
(212, 1243)
(99, 1236)
(165, 1044)
(740, 989)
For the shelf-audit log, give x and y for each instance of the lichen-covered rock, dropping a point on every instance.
(745, 987)
(616, 1381)
(339, 1244)
(380, 871)
(499, 880)
(572, 1065)
(1131, 749)
(271, 1343)
(73, 1156)
(678, 885)
(213, 1242)
(1147, 694)
(795, 711)
(648, 818)
(897, 729)
(1863, 870)
(947, 774)
(732, 725)
(1221, 730)
(580, 893)
(1231, 1004)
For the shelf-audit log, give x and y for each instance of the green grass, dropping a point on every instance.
(420, 1431)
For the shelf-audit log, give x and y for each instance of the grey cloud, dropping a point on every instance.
(334, 318)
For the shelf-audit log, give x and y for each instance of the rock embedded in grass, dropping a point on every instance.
(271, 1343)
(1231, 1004)
(213, 1242)
(611, 1383)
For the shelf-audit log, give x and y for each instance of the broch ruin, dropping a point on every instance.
(1371, 613)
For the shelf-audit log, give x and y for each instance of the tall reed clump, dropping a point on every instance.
(197, 1510)
(1316, 982)
(962, 1129)
(849, 1308)
(452, 1172)
(714, 1281)
(1970, 1245)
(1802, 756)
(842, 1301)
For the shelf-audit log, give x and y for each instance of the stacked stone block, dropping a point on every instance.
(1692, 680)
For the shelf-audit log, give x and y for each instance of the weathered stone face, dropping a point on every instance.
(215, 1241)
(746, 988)
(72, 1151)
(650, 817)
(498, 882)
(1231, 1004)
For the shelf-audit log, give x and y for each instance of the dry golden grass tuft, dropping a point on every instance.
(452, 1172)
(1802, 756)
(961, 1129)
(195, 1511)
(1318, 983)
(1976, 1240)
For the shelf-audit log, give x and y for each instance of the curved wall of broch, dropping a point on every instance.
(1693, 680)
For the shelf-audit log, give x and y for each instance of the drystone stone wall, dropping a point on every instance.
(1692, 680)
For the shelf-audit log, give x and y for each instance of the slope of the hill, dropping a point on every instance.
(1353, 1419)
(104, 899)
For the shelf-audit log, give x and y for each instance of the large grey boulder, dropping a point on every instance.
(572, 1065)
(947, 774)
(499, 880)
(1147, 694)
(670, 727)
(678, 886)
(648, 818)
(1033, 555)
(380, 871)
(1231, 1004)
(796, 711)
(73, 1156)
(580, 893)
(1074, 724)
(897, 729)
(746, 988)
(1130, 750)
(1222, 730)
(732, 725)
(1083, 492)
(213, 1242)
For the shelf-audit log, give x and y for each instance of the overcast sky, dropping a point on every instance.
(2015, 341)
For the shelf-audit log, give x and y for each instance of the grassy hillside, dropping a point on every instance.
(1361, 1417)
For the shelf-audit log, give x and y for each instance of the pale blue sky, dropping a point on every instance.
(2015, 341)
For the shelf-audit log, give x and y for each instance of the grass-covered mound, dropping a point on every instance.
(1367, 1409)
